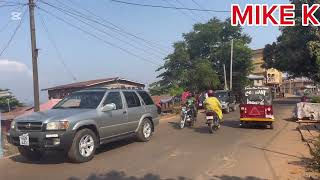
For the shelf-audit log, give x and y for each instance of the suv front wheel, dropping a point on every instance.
(145, 130)
(83, 146)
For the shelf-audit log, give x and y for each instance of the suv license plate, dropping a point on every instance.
(24, 139)
(209, 117)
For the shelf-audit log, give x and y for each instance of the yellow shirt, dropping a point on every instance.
(213, 104)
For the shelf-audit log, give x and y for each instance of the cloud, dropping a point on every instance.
(17, 77)
(7, 66)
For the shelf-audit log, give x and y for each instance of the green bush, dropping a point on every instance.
(316, 155)
(315, 99)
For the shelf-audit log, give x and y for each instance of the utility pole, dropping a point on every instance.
(8, 102)
(34, 57)
(231, 59)
(290, 87)
(225, 77)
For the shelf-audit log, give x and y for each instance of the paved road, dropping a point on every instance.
(191, 153)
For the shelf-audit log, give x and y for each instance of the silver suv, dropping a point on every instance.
(82, 121)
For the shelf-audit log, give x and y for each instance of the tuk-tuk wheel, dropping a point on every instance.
(241, 124)
(271, 126)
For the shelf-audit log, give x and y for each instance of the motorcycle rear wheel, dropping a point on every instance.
(182, 123)
(193, 121)
(211, 127)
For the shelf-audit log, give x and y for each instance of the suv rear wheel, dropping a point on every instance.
(30, 153)
(83, 146)
(145, 131)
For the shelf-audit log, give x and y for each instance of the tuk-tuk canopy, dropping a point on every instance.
(257, 95)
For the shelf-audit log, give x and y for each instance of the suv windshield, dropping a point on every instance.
(222, 96)
(81, 100)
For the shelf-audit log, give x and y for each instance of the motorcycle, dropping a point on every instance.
(186, 117)
(213, 121)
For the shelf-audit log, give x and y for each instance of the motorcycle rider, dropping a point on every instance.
(191, 103)
(213, 104)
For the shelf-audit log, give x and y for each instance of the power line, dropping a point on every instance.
(9, 2)
(182, 5)
(116, 30)
(97, 37)
(53, 43)
(199, 5)
(13, 34)
(10, 5)
(184, 13)
(75, 16)
(168, 7)
(154, 46)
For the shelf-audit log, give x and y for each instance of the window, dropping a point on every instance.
(132, 99)
(114, 97)
(81, 100)
(146, 98)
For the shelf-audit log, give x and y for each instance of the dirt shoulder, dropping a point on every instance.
(287, 153)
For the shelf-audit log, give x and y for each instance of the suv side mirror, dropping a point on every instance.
(108, 107)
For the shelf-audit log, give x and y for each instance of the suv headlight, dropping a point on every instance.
(13, 124)
(58, 125)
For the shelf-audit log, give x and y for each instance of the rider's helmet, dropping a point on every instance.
(210, 93)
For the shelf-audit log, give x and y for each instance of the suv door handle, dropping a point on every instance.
(124, 112)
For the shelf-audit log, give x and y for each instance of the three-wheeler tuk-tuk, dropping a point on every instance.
(256, 107)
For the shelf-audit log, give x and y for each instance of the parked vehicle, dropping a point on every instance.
(84, 120)
(227, 100)
(213, 121)
(187, 117)
(256, 107)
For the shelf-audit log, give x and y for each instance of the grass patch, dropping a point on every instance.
(315, 99)
(8, 149)
(316, 156)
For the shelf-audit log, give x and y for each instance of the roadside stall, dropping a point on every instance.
(256, 107)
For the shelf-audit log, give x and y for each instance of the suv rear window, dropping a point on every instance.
(132, 99)
(146, 98)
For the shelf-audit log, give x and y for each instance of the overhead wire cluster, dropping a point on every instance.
(97, 25)
(103, 30)
(169, 7)
(55, 46)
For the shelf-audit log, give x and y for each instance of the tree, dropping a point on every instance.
(297, 50)
(13, 102)
(268, 56)
(196, 64)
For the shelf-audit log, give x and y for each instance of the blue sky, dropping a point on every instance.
(88, 58)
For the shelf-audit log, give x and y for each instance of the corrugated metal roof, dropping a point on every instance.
(90, 83)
